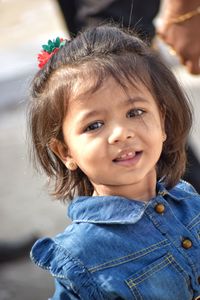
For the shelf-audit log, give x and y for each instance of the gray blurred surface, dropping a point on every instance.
(26, 208)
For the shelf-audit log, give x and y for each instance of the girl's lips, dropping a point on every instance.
(128, 159)
(126, 156)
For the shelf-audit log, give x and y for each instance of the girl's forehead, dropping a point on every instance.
(110, 94)
(85, 87)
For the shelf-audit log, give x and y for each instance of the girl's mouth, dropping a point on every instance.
(128, 158)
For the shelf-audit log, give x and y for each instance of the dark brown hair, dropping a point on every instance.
(100, 52)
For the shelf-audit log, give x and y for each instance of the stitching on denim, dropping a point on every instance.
(46, 268)
(129, 257)
(77, 263)
(71, 258)
(37, 263)
(49, 269)
(135, 291)
(165, 262)
(180, 270)
(192, 224)
(103, 222)
(198, 221)
(169, 259)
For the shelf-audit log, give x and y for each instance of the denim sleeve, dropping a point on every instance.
(73, 280)
(63, 291)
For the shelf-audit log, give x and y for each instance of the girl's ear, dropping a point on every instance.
(162, 118)
(60, 150)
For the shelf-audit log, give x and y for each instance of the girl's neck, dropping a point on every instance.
(141, 191)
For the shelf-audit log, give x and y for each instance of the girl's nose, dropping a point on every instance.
(120, 134)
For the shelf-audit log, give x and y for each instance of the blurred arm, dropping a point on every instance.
(182, 36)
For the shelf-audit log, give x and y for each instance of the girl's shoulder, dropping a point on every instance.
(68, 248)
(184, 190)
(51, 254)
(47, 252)
(185, 202)
(56, 257)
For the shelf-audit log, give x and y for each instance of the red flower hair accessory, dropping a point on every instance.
(48, 50)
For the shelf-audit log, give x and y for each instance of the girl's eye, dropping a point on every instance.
(94, 126)
(136, 112)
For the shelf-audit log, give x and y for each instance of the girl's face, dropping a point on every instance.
(116, 138)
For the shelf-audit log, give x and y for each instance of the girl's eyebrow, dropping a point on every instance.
(126, 102)
(135, 100)
(87, 115)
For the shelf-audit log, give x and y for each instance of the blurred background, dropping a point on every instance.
(26, 209)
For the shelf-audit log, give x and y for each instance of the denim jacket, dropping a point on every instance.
(117, 248)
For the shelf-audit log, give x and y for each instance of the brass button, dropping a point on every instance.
(197, 298)
(186, 244)
(160, 208)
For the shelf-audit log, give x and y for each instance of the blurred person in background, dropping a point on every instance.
(180, 22)
(180, 28)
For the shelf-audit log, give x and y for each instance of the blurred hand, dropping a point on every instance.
(182, 37)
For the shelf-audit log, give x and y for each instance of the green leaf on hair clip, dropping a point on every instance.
(52, 45)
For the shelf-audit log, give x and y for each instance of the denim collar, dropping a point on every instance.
(106, 210)
(117, 209)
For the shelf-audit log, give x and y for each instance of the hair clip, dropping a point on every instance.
(48, 50)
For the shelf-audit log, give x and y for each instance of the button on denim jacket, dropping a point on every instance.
(117, 248)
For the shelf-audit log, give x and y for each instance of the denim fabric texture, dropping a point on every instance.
(117, 248)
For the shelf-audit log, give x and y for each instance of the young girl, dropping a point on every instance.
(109, 124)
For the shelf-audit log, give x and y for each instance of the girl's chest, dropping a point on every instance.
(157, 258)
